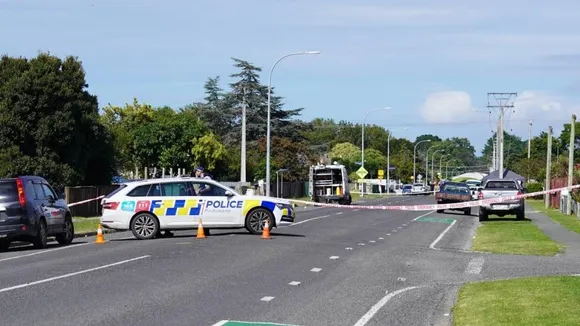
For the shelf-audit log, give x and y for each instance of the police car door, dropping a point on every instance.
(181, 207)
(218, 209)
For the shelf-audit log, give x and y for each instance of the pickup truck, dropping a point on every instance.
(454, 192)
(495, 188)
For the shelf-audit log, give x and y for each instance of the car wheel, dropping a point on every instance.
(440, 211)
(144, 226)
(69, 233)
(521, 213)
(41, 239)
(4, 245)
(482, 215)
(257, 218)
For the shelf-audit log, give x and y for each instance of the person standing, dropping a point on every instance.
(200, 173)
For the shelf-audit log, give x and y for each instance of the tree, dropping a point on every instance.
(208, 151)
(49, 123)
(165, 142)
(514, 149)
(565, 139)
(286, 154)
(374, 161)
(122, 122)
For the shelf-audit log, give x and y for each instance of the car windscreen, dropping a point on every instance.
(8, 191)
(509, 185)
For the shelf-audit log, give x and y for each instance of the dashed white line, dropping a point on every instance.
(372, 241)
(369, 315)
(339, 213)
(361, 244)
(388, 234)
(333, 257)
(356, 210)
(432, 246)
(294, 283)
(44, 251)
(475, 265)
(71, 274)
(267, 299)
(381, 238)
(316, 269)
(348, 248)
(400, 227)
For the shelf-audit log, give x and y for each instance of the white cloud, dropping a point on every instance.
(447, 106)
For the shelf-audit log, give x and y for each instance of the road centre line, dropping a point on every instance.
(432, 245)
(308, 220)
(11, 288)
(43, 251)
(369, 315)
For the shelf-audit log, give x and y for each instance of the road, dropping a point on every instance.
(336, 266)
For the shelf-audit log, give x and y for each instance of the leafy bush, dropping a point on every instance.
(534, 187)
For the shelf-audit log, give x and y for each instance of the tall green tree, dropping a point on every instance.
(49, 123)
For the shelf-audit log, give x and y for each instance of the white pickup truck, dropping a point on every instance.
(495, 188)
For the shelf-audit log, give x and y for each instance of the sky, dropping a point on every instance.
(432, 62)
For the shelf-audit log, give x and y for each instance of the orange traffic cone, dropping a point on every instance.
(100, 238)
(200, 233)
(266, 230)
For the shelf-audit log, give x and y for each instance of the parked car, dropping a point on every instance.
(31, 211)
(496, 188)
(454, 192)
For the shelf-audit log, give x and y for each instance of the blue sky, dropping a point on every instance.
(432, 61)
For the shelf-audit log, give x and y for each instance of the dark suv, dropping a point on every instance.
(31, 211)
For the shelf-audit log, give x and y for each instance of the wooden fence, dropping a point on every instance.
(555, 197)
(80, 193)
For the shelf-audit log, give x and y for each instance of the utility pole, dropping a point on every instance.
(501, 102)
(243, 161)
(494, 159)
(571, 163)
(529, 147)
(548, 169)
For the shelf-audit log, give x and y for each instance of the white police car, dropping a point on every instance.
(147, 207)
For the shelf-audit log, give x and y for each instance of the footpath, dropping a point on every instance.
(557, 232)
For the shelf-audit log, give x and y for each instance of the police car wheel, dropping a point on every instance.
(144, 226)
(256, 219)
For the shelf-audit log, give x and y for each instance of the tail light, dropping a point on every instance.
(480, 195)
(520, 193)
(21, 193)
(111, 205)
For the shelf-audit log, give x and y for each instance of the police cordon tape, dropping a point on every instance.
(85, 201)
(430, 207)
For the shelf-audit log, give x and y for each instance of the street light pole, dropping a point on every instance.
(427, 163)
(433, 164)
(268, 119)
(415, 154)
(362, 154)
(440, 163)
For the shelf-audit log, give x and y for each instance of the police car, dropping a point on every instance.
(148, 207)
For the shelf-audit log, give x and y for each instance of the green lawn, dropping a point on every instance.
(86, 224)
(525, 301)
(514, 237)
(570, 222)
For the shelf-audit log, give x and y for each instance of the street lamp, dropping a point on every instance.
(433, 164)
(363, 142)
(441, 159)
(414, 155)
(427, 163)
(268, 119)
(389, 160)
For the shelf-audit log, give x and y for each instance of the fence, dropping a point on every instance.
(80, 193)
(555, 197)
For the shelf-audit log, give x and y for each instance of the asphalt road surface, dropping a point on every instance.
(335, 266)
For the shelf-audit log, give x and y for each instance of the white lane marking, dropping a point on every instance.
(369, 315)
(316, 269)
(44, 251)
(432, 246)
(361, 244)
(71, 274)
(381, 238)
(372, 241)
(388, 234)
(334, 257)
(267, 299)
(475, 265)
(356, 210)
(418, 217)
(339, 213)
(221, 323)
(348, 248)
(308, 220)
(294, 283)
(400, 227)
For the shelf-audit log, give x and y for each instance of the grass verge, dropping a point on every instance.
(85, 224)
(514, 237)
(570, 222)
(530, 301)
